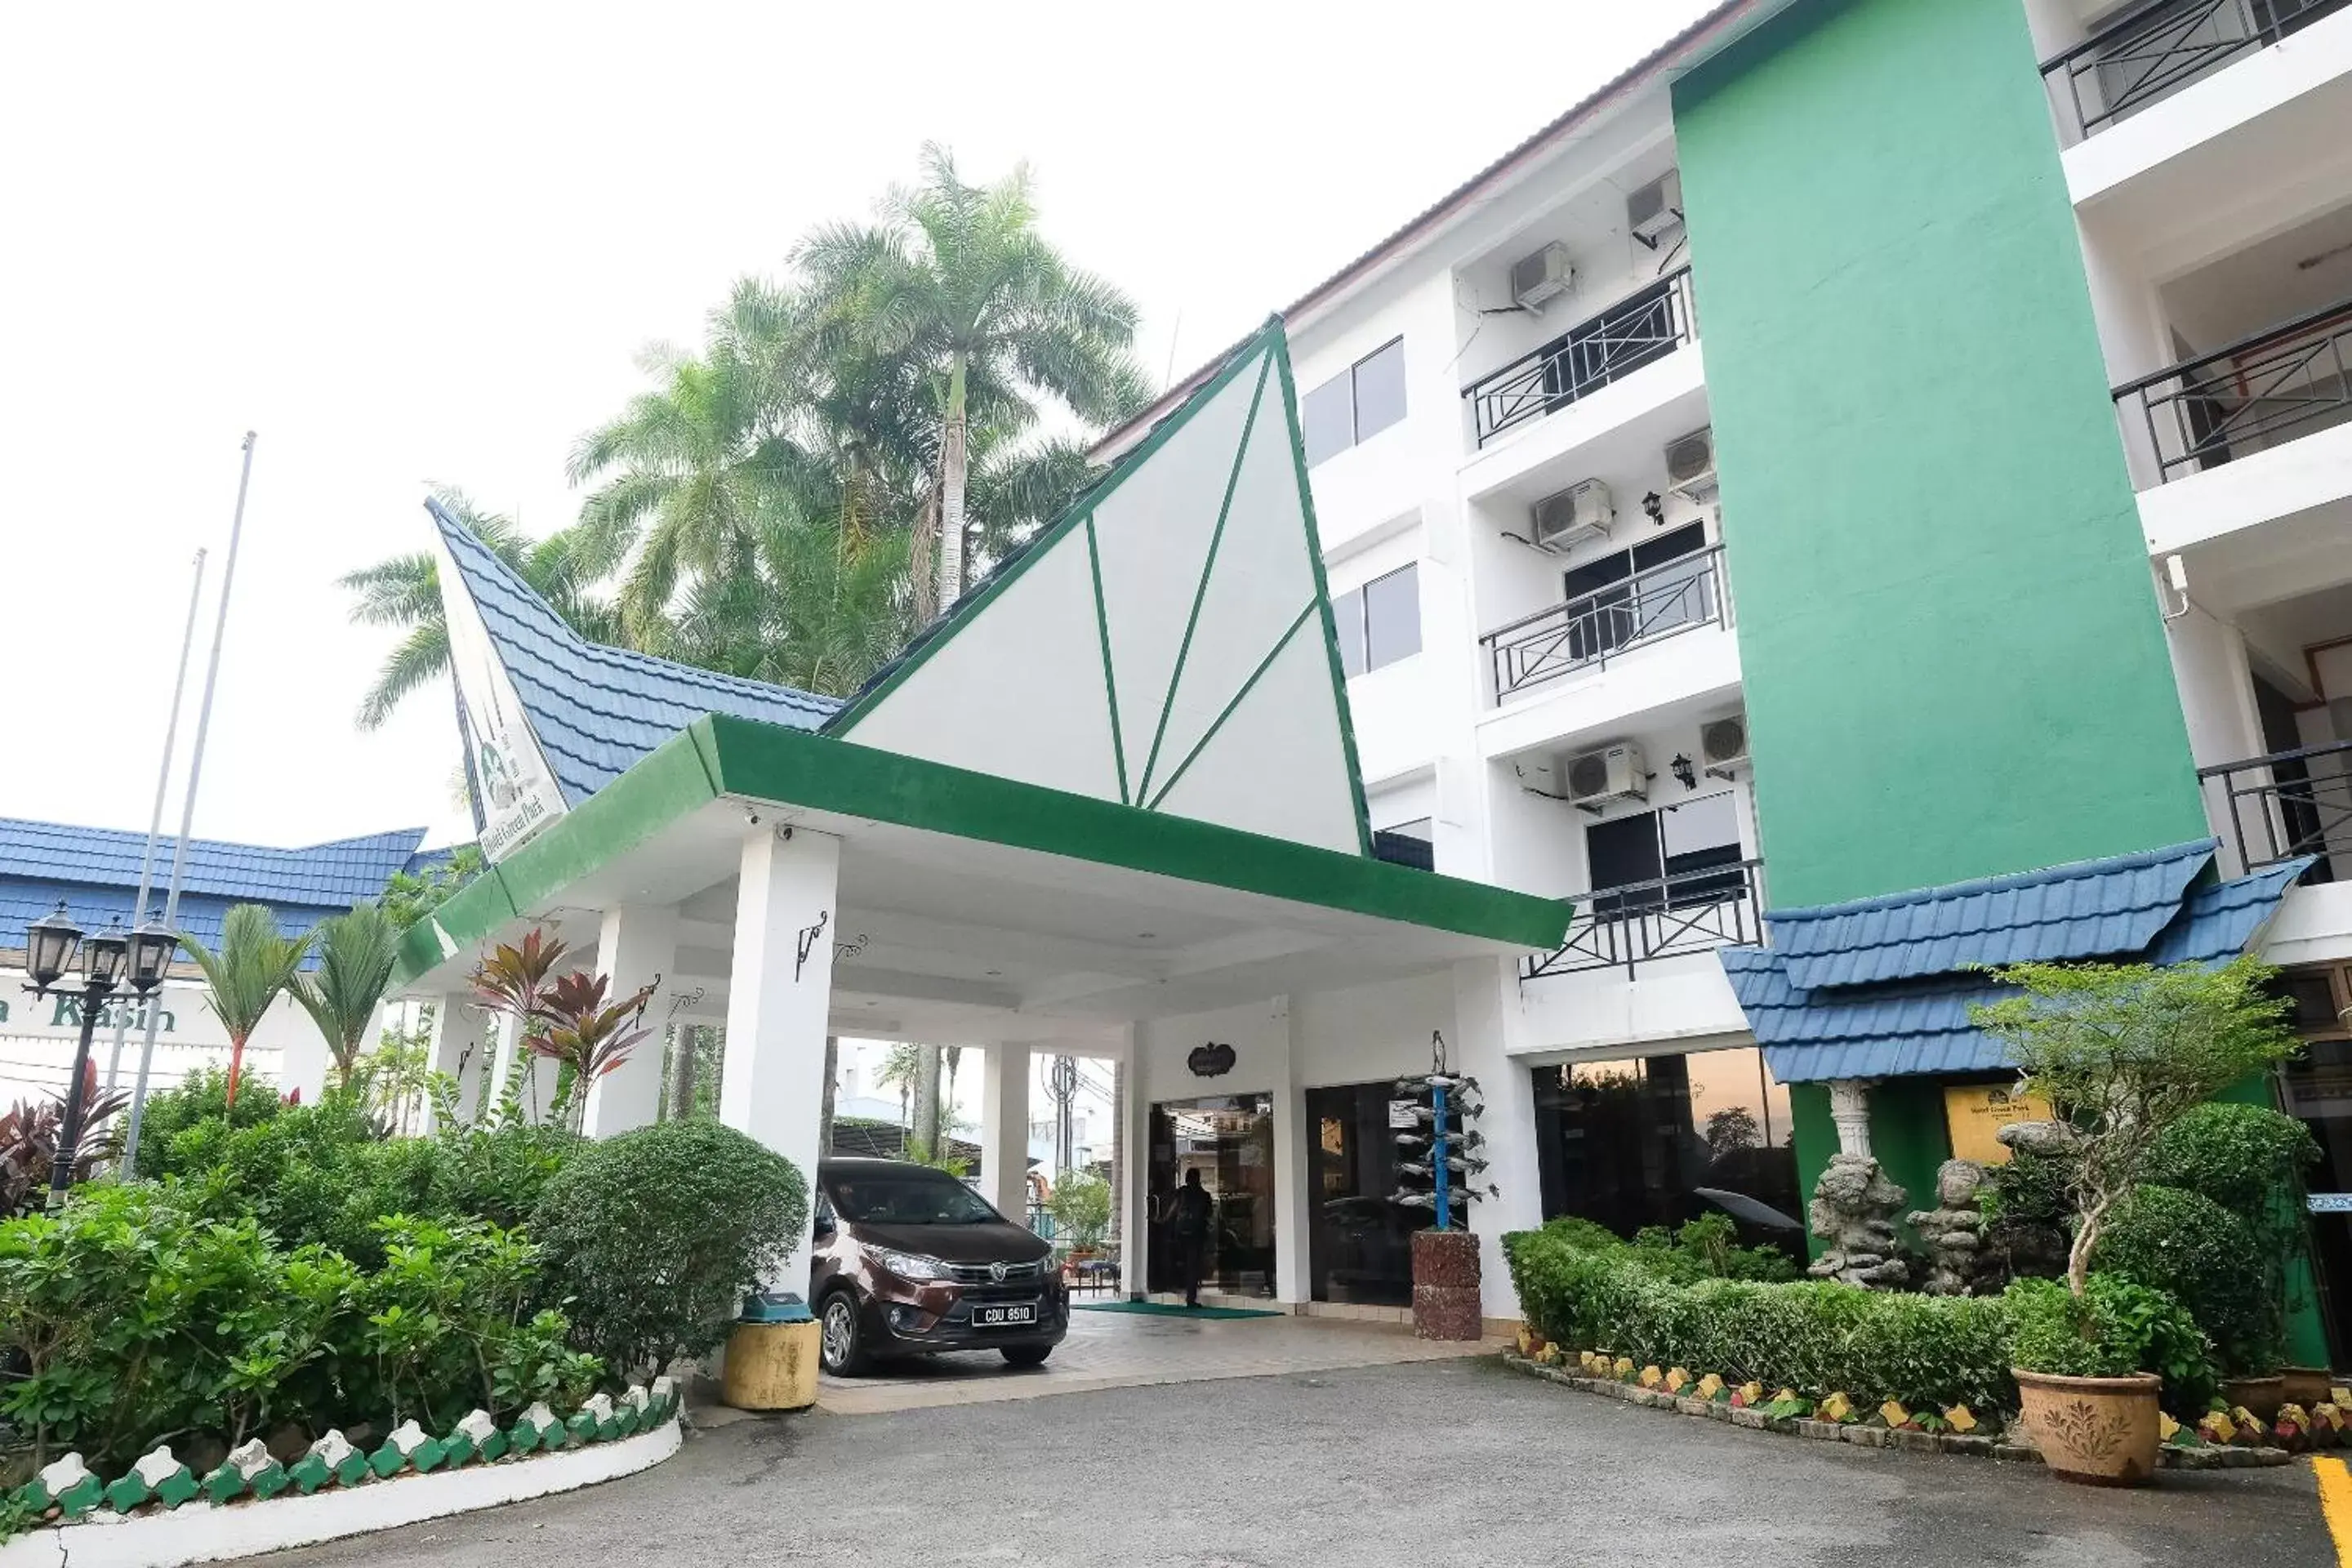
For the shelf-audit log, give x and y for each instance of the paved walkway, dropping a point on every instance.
(1130, 1349)
(1457, 1463)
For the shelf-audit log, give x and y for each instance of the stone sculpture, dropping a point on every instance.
(1952, 1231)
(1853, 1210)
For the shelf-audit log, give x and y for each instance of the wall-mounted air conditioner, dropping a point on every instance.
(1723, 745)
(1541, 276)
(1690, 466)
(1655, 208)
(1613, 772)
(1580, 512)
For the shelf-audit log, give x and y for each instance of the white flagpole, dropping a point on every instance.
(188, 803)
(155, 817)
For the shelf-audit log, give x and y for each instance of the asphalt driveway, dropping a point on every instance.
(1449, 1462)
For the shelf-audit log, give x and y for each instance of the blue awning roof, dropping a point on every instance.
(1919, 1023)
(596, 711)
(2082, 909)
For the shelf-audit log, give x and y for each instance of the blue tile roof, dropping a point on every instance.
(596, 711)
(1920, 1025)
(2078, 911)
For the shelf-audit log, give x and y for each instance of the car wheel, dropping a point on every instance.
(841, 1339)
(1026, 1355)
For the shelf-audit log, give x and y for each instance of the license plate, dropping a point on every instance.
(1002, 1317)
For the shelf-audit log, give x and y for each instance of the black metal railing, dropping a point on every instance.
(2287, 804)
(1688, 912)
(2160, 48)
(1588, 631)
(1636, 330)
(2260, 392)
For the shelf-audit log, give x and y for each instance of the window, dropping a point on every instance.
(1355, 406)
(1407, 843)
(1379, 623)
(1608, 617)
(1671, 846)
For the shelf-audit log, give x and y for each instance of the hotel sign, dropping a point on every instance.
(515, 790)
(1975, 1114)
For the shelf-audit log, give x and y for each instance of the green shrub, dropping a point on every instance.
(653, 1237)
(201, 1097)
(1575, 1231)
(1707, 1248)
(2114, 1328)
(132, 1319)
(1081, 1207)
(2187, 1245)
(1817, 1337)
(2250, 1159)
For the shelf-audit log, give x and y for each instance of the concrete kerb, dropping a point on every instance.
(1864, 1436)
(196, 1532)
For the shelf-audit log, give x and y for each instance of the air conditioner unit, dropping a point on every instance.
(1723, 744)
(1655, 207)
(1613, 772)
(1541, 276)
(1580, 512)
(1690, 466)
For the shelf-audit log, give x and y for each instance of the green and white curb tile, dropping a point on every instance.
(595, 1419)
(536, 1427)
(329, 1460)
(665, 1397)
(474, 1437)
(250, 1468)
(157, 1476)
(408, 1448)
(66, 1485)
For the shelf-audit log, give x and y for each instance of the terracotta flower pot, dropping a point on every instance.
(2262, 1395)
(2098, 1431)
(2307, 1385)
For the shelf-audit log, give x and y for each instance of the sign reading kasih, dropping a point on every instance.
(1975, 1114)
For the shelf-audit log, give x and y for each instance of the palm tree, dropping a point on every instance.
(955, 281)
(253, 968)
(405, 592)
(356, 953)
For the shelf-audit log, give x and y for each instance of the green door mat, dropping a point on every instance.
(1163, 1310)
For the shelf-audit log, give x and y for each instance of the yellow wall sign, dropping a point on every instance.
(1976, 1113)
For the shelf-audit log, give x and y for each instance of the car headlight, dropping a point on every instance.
(911, 1266)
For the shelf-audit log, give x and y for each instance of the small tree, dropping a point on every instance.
(254, 967)
(356, 954)
(587, 1035)
(2122, 1052)
(1081, 1207)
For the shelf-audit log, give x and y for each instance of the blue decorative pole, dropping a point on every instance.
(1437, 1156)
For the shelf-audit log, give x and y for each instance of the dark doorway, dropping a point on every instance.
(1359, 1246)
(1230, 1140)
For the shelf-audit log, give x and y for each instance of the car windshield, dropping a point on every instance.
(913, 1196)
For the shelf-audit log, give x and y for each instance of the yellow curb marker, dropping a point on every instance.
(2336, 1503)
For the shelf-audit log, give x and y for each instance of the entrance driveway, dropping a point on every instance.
(1454, 1462)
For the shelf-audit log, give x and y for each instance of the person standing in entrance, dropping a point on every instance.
(1189, 1211)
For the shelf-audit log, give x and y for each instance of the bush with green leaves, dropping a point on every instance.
(133, 1318)
(2185, 1243)
(2115, 1328)
(653, 1237)
(199, 1097)
(1815, 1336)
(1081, 1208)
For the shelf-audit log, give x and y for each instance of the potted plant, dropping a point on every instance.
(2121, 1052)
(2092, 1367)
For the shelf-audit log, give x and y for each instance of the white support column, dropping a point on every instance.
(307, 1065)
(1478, 1046)
(1004, 1129)
(1849, 1109)
(456, 1038)
(637, 946)
(506, 1039)
(1292, 1211)
(779, 995)
(1135, 1216)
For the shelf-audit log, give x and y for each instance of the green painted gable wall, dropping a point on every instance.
(1953, 658)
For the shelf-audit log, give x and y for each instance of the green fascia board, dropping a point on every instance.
(1081, 512)
(719, 755)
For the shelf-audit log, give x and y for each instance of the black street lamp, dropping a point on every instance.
(50, 946)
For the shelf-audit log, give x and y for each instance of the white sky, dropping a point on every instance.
(425, 244)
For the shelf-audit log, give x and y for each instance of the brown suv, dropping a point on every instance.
(909, 1261)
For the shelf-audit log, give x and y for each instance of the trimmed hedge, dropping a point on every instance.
(1815, 1336)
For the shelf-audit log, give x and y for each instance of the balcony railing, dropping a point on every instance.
(1635, 332)
(2263, 391)
(2159, 48)
(1689, 911)
(2287, 804)
(1588, 631)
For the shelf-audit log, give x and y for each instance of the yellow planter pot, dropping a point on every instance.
(770, 1366)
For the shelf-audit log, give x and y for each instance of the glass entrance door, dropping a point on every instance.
(1359, 1248)
(1230, 1141)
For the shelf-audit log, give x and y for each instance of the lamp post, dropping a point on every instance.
(51, 949)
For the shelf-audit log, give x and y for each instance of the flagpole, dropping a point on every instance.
(188, 804)
(155, 817)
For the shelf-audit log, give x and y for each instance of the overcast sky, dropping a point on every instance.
(426, 243)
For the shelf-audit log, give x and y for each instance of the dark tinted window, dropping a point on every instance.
(1392, 618)
(1379, 391)
(1326, 420)
(912, 1196)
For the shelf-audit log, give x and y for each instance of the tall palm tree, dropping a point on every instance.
(405, 592)
(254, 967)
(955, 280)
(356, 954)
